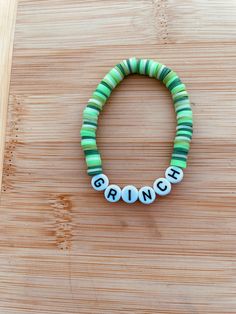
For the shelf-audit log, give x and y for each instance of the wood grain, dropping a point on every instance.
(7, 28)
(63, 248)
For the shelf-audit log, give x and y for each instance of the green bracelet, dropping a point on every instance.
(184, 130)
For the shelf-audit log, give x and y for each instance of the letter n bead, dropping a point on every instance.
(147, 195)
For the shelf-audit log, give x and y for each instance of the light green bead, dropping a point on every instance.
(104, 89)
(178, 163)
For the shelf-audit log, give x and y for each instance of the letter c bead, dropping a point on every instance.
(162, 186)
(100, 182)
(129, 194)
(112, 193)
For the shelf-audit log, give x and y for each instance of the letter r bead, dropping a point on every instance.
(112, 193)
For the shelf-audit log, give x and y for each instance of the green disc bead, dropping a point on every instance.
(142, 66)
(102, 88)
(170, 77)
(153, 68)
(177, 89)
(133, 62)
(124, 68)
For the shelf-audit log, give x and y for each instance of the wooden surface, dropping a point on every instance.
(64, 249)
(7, 28)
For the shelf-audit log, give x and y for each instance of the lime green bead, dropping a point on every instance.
(178, 163)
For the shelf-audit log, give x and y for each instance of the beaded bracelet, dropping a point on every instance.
(184, 130)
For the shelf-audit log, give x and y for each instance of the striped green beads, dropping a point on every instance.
(103, 91)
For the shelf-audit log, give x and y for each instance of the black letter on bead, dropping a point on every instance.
(129, 195)
(112, 193)
(174, 172)
(99, 182)
(145, 195)
(160, 188)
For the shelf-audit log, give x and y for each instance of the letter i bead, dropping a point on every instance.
(129, 194)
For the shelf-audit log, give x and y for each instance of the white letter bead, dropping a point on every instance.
(147, 195)
(100, 182)
(129, 194)
(112, 193)
(174, 174)
(162, 186)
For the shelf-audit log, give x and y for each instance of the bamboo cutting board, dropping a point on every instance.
(64, 249)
